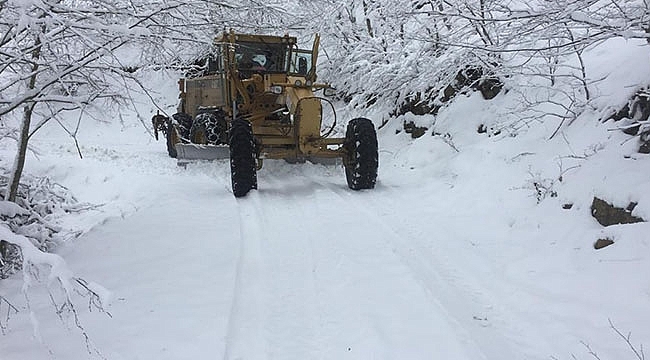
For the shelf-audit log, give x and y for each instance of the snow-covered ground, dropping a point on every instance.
(454, 255)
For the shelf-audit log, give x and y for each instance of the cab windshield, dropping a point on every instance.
(261, 57)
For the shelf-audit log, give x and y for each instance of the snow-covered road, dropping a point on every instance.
(320, 276)
(301, 269)
(449, 257)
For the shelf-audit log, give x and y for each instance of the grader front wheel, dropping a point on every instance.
(243, 167)
(361, 154)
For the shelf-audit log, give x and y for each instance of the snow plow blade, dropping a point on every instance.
(202, 152)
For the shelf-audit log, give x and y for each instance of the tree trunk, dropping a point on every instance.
(19, 162)
(368, 21)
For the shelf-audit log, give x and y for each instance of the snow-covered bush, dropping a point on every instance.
(29, 230)
(35, 215)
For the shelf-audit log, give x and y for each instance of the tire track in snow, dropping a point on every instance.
(332, 280)
(371, 307)
(294, 326)
(495, 306)
(486, 299)
(456, 297)
(245, 338)
(274, 312)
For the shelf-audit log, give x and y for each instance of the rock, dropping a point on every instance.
(469, 77)
(567, 206)
(644, 148)
(601, 243)
(490, 131)
(623, 113)
(630, 207)
(490, 87)
(632, 130)
(640, 105)
(449, 93)
(474, 77)
(636, 111)
(607, 214)
(417, 105)
(644, 138)
(414, 130)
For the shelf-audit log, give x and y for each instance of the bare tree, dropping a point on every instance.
(56, 56)
(419, 47)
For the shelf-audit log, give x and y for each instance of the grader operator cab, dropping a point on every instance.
(258, 99)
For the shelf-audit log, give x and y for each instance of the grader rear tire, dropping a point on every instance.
(184, 124)
(199, 129)
(209, 128)
(361, 154)
(243, 167)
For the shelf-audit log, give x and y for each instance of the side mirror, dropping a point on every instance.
(329, 91)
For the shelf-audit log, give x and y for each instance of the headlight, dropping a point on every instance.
(298, 83)
(276, 89)
(309, 83)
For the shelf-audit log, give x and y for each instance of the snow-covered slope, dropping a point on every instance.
(456, 254)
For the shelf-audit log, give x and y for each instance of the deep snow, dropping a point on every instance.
(451, 256)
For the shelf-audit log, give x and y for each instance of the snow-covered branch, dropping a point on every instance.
(62, 284)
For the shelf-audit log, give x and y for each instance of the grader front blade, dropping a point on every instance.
(202, 152)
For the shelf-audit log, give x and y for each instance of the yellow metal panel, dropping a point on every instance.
(308, 119)
(276, 140)
(206, 91)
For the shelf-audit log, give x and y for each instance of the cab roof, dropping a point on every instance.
(233, 37)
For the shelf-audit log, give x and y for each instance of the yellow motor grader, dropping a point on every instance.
(257, 99)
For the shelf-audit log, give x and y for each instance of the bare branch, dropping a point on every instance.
(10, 310)
(638, 353)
